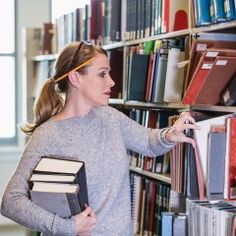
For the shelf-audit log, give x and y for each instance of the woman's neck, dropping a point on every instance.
(73, 109)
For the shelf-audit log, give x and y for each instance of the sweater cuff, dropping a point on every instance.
(163, 140)
(63, 226)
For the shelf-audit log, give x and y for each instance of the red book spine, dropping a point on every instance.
(194, 87)
(232, 157)
(149, 77)
(166, 16)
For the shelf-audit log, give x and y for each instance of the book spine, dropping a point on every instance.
(75, 206)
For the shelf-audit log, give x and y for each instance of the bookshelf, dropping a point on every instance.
(125, 44)
(159, 177)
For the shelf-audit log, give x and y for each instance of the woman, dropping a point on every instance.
(85, 128)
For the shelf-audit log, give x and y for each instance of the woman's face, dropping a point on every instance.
(95, 86)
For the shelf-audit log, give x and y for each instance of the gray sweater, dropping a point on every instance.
(101, 140)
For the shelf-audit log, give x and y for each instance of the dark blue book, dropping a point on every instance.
(229, 95)
(138, 77)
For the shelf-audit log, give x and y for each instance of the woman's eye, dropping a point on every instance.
(102, 74)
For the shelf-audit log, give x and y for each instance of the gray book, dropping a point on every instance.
(216, 160)
(180, 225)
(159, 80)
(59, 185)
(58, 198)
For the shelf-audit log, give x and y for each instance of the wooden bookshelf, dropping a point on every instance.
(160, 177)
(125, 103)
(47, 57)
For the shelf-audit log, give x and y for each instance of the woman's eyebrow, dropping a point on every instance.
(104, 68)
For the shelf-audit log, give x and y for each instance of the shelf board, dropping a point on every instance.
(229, 109)
(157, 106)
(207, 28)
(176, 106)
(159, 36)
(214, 27)
(161, 177)
(116, 101)
(114, 45)
(46, 57)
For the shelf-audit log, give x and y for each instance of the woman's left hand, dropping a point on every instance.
(176, 132)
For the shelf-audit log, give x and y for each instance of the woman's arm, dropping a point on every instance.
(153, 142)
(140, 139)
(16, 203)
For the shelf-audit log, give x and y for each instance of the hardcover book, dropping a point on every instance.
(59, 185)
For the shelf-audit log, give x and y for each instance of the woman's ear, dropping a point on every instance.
(74, 78)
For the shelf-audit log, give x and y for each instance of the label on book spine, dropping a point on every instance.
(212, 54)
(206, 66)
(221, 62)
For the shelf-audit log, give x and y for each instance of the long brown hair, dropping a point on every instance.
(50, 101)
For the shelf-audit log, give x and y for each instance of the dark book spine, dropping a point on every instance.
(74, 204)
(83, 191)
(229, 95)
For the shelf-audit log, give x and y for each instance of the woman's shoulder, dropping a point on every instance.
(44, 129)
(108, 111)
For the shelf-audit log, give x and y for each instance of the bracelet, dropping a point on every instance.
(163, 135)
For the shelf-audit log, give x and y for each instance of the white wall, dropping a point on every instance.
(30, 13)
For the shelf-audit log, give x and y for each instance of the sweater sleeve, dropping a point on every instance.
(143, 140)
(16, 203)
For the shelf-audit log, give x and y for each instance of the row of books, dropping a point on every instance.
(211, 218)
(201, 218)
(106, 21)
(174, 224)
(157, 75)
(151, 119)
(146, 18)
(149, 199)
(195, 173)
(206, 12)
(212, 72)
(160, 74)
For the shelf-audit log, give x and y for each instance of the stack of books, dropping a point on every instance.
(59, 185)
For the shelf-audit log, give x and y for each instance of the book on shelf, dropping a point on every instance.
(160, 75)
(116, 64)
(173, 224)
(216, 81)
(216, 161)
(211, 217)
(211, 76)
(59, 185)
(203, 44)
(219, 11)
(167, 223)
(228, 97)
(198, 78)
(174, 74)
(138, 77)
(201, 137)
(230, 10)
(201, 10)
(230, 162)
(180, 224)
(47, 36)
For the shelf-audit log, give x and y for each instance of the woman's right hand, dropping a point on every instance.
(85, 222)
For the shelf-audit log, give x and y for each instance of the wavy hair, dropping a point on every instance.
(50, 100)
